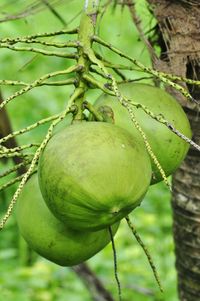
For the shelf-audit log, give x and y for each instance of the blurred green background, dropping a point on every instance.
(43, 280)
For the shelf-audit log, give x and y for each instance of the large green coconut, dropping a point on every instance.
(92, 174)
(169, 149)
(49, 237)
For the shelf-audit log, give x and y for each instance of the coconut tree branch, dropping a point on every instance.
(28, 128)
(54, 11)
(14, 168)
(40, 51)
(31, 9)
(161, 75)
(92, 282)
(137, 21)
(70, 81)
(38, 82)
(73, 44)
(40, 35)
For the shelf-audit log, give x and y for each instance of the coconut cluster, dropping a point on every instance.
(92, 174)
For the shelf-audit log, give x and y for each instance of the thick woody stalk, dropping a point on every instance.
(86, 32)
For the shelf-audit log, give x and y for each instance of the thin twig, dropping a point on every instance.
(93, 111)
(14, 168)
(29, 128)
(97, 84)
(31, 9)
(16, 154)
(129, 80)
(166, 78)
(73, 44)
(54, 11)
(160, 118)
(38, 82)
(13, 181)
(115, 264)
(41, 35)
(40, 51)
(150, 260)
(17, 148)
(136, 20)
(69, 81)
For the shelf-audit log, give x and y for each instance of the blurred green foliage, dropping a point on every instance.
(44, 281)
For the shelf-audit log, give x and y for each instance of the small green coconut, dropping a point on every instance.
(49, 237)
(170, 150)
(92, 174)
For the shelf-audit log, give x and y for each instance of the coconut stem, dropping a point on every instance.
(115, 264)
(86, 32)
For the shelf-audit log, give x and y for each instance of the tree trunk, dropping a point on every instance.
(179, 39)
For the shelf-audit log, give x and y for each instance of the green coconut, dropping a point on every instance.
(49, 237)
(92, 174)
(169, 149)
